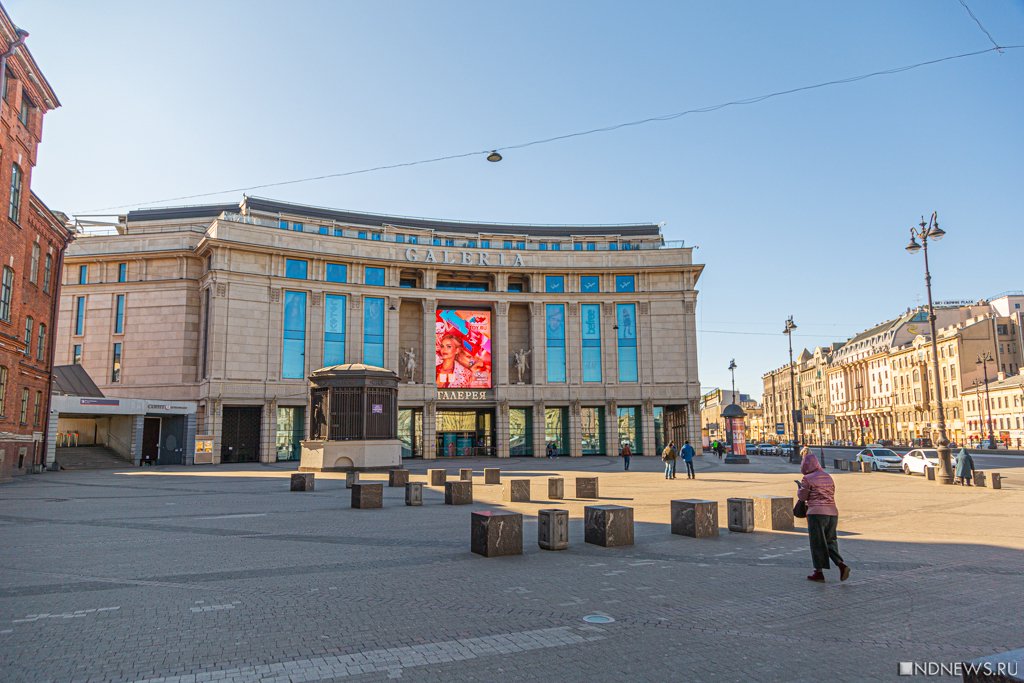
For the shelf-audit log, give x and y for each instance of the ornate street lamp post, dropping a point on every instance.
(788, 331)
(931, 230)
(983, 360)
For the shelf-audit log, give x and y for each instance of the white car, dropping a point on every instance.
(916, 460)
(881, 459)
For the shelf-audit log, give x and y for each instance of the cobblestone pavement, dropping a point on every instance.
(195, 574)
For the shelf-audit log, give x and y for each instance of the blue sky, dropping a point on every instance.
(800, 205)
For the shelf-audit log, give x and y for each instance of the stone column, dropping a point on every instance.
(501, 430)
(274, 320)
(573, 346)
(538, 327)
(693, 424)
(391, 336)
(315, 333)
(540, 444)
(137, 424)
(647, 427)
(575, 430)
(354, 334)
(268, 445)
(429, 351)
(609, 350)
(611, 428)
(645, 341)
(499, 345)
(430, 429)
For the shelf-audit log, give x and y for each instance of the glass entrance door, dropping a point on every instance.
(465, 433)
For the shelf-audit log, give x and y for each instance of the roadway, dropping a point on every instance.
(983, 461)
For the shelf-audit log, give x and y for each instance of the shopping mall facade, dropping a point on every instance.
(509, 340)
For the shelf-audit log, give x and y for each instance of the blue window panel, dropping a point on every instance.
(543, 246)
(375, 277)
(626, 320)
(590, 322)
(297, 227)
(613, 246)
(296, 269)
(577, 246)
(119, 315)
(520, 245)
(555, 342)
(556, 246)
(293, 352)
(485, 244)
(471, 244)
(83, 275)
(76, 355)
(122, 272)
(337, 272)
(413, 239)
(283, 225)
(625, 283)
(334, 329)
(324, 230)
(591, 246)
(373, 331)
(437, 241)
(449, 243)
(339, 232)
(362, 234)
(400, 239)
(554, 283)
(375, 236)
(590, 284)
(515, 287)
(462, 286)
(508, 244)
(80, 315)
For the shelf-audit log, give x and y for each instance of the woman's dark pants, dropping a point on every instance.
(821, 529)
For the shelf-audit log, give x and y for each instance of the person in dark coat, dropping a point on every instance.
(965, 467)
(818, 491)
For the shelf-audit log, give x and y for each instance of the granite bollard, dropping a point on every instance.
(458, 492)
(556, 488)
(367, 495)
(351, 477)
(303, 481)
(466, 474)
(494, 533)
(741, 514)
(586, 487)
(437, 477)
(836, 464)
(695, 518)
(929, 473)
(608, 525)
(997, 480)
(516, 491)
(773, 512)
(553, 529)
(398, 478)
(979, 478)
(414, 493)
(865, 466)
(492, 475)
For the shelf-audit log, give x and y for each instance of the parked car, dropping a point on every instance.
(883, 459)
(916, 460)
(989, 444)
(766, 449)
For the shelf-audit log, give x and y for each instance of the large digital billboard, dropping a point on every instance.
(463, 359)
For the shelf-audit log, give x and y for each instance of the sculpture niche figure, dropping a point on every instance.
(522, 362)
(409, 359)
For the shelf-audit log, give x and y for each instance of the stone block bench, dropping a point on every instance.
(458, 492)
(303, 481)
(466, 474)
(494, 533)
(556, 488)
(437, 477)
(608, 525)
(553, 529)
(492, 475)
(414, 493)
(351, 477)
(979, 478)
(398, 478)
(773, 512)
(586, 487)
(997, 480)
(368, 495)
(695, 518)
(516, 491)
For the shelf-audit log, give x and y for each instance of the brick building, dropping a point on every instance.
(32, 242)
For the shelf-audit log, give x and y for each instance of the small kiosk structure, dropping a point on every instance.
(353, 421)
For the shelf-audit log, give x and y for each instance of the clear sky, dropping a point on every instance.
(800, 204)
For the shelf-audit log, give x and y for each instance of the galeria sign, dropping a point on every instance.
(463, 258)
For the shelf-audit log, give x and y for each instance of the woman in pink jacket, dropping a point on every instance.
(819, 492)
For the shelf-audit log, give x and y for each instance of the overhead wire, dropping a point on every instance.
(983, 29)
(567, 136)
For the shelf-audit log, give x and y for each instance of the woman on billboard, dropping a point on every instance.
(451, 373)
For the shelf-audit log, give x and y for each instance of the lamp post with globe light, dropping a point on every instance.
(930, 230)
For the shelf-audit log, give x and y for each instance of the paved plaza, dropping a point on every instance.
(194, 574)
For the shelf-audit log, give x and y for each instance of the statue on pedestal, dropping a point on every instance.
(522, 362)
(409, 359)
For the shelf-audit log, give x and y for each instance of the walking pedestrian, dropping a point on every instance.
(551, 450)
(965, 467)
(668, 456)
(818, 491)
(688, 454)
(625, 452)
(720, 450)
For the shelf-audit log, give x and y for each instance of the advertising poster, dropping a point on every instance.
(463, 359)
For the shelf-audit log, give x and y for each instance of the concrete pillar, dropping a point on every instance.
(502, 436)
(315, 332)
(391, 336)
(429, 352)
(575, 430)
(540, 445)
(645, 342)
(50, 461)
(573, 346)
(136, 448)
(647, 428)
(538, 332)
(354, 334)
(268, 442)
(499, 346)
(190, 439)
(611, 427)
(430, 429)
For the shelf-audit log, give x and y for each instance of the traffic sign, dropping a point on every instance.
(780, 428)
